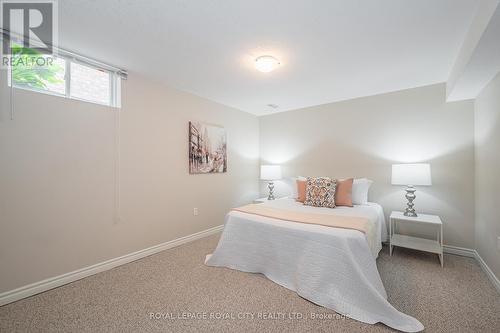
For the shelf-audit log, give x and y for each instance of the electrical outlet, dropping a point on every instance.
(195, 211)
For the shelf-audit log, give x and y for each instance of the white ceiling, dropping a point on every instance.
(330, 50)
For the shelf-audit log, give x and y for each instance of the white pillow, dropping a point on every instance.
(293, 185)
(360, 189)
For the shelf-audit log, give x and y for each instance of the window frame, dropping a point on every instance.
(114, 83)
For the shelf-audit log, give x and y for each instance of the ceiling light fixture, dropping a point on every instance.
(266, 63)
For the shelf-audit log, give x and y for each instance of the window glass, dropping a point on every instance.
(90, 84)
(32, 70)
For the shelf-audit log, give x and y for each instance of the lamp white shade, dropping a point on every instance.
(270, 172)
(411, 174)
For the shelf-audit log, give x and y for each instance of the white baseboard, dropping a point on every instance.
(57, 281)
(488, 271)
(459, 251)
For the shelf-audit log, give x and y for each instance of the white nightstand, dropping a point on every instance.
(416, 243)
(261, 200)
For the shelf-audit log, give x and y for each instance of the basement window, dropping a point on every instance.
(90, 84)
(64, 76)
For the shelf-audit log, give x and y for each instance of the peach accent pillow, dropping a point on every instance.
(343, 195)
(301, 190)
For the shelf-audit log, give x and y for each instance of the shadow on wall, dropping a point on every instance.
(486, 127)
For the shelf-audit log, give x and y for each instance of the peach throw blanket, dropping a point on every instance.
(336, 221)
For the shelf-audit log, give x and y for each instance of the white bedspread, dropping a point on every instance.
(332, 267)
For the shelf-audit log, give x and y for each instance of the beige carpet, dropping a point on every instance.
(456, 298)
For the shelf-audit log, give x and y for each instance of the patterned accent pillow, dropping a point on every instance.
(320, 192)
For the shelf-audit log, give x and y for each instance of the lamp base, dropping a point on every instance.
(410, 213)
(410, 196)
(271, 191)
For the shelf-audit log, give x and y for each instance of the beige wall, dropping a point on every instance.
(364, 136)
(57, 172)
(487, 130)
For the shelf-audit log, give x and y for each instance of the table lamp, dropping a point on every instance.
(270, 173)
(410, 175)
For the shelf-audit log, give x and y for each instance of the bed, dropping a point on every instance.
(332, 267)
